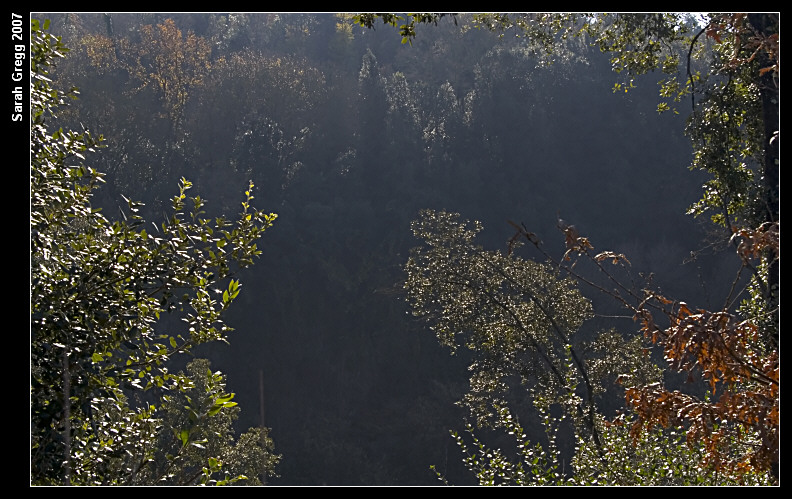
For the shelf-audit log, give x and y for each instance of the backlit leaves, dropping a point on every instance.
(754, 242)
(161, 58)
(729, 437)
(112, 305)
(743, 377)
(518, 317)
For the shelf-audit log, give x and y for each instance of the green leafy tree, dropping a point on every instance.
(515, 312)
(521, 321)
(726, 63)
(112, 306)
(200, 445)
(732, 434)
(523, 325)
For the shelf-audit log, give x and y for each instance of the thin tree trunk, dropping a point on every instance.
(66, 419)
(263, 427)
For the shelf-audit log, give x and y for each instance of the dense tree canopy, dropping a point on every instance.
(734, 129)
(355, 139)
(106, 407)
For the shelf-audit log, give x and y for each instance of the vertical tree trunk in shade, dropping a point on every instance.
(765, 25)
(263, 438)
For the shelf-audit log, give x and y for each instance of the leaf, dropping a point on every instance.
(224, 399)
(184, 436)
(233, 290)
(610, 254)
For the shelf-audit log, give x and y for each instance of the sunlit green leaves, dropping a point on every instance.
(200, 416)
(406, 23)
(520, 320)
(516, 315)
(231, 292)
(660, 457)
(101, 294)
(726, 132)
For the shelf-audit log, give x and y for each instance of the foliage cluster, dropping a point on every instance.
(519, 319)
(105, 299)
(350, 136)
(162, 59)
(731, 435)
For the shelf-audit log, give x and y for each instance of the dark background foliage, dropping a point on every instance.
(347, 134)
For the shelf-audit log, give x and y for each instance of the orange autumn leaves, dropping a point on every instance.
(161, 58)
(747, 42)
(738, 424)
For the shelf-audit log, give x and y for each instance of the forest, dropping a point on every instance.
(304, 249)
